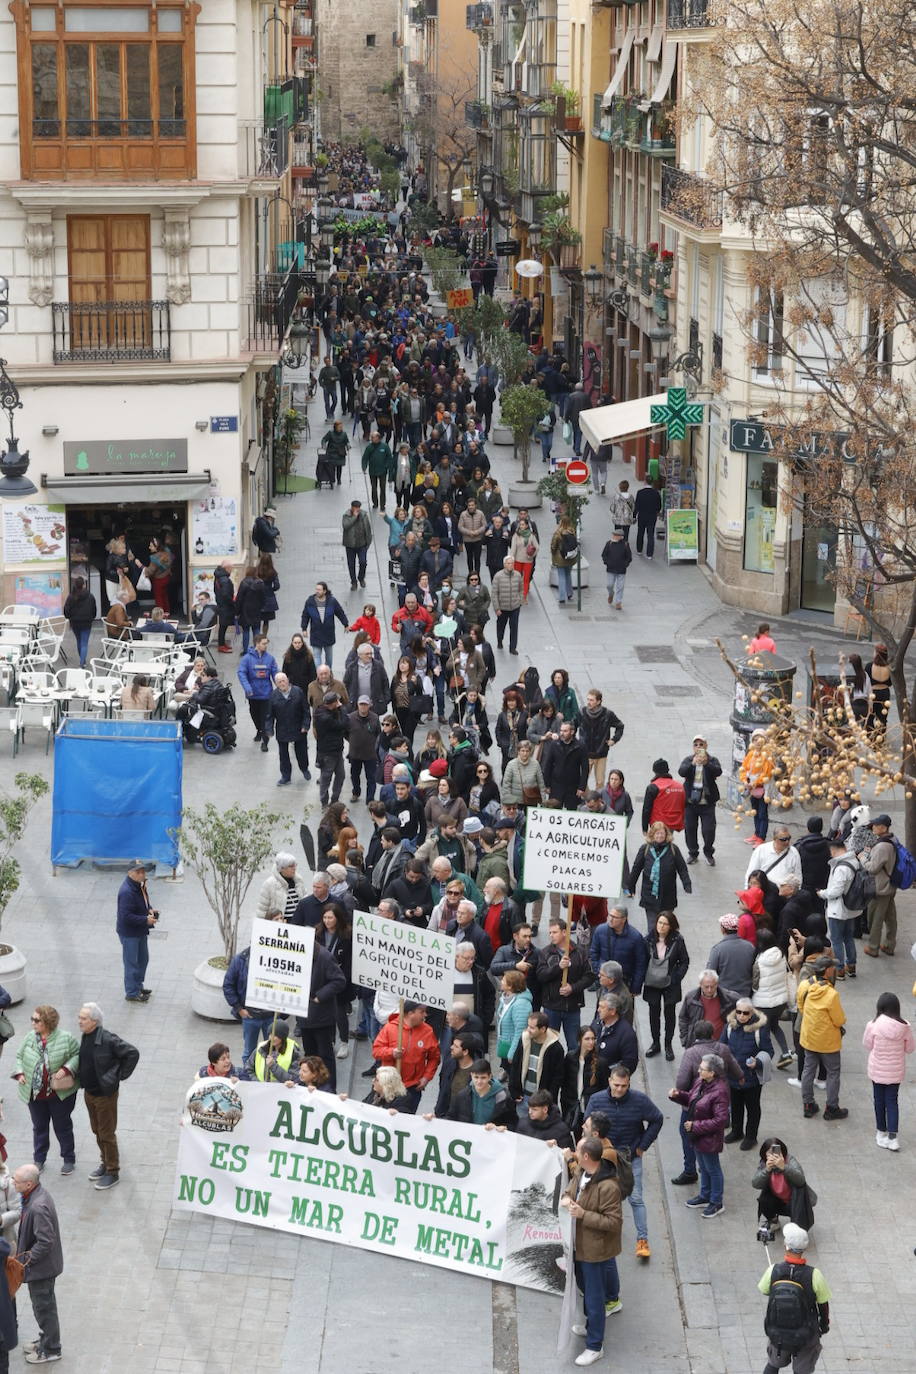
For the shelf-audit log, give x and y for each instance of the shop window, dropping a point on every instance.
(768, 333)
(760, 512)
(104, 89)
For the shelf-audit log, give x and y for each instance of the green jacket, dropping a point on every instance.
(378, 460)
(63, 1052)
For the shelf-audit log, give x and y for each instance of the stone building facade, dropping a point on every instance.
(359, 64)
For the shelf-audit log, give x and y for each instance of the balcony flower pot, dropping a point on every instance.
(573, 124)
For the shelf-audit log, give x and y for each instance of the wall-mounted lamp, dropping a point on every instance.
(49, 431)
(202, 425)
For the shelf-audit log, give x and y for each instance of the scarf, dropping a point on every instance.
(656, 870)
(41, 1074)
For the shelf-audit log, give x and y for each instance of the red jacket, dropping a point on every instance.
(421, 1051)
(421, 614)
(669, 805)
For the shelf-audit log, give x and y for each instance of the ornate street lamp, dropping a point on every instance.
(594, 281)
(535, 234)
(13, 464)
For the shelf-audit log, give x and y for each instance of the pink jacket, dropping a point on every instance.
(888, 1043)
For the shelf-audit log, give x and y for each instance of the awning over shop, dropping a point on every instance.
(616, 80)
(115, 488)
(607, 423)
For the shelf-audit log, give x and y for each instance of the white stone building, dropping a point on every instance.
(147, 235)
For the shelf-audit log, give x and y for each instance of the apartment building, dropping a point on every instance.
(149, 235)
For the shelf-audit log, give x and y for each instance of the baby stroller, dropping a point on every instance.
(216, 729)
(325, 472)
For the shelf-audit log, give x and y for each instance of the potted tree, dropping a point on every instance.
(511, 355)
(15, 809)
(226, 848)
(567, 107)
(521, 408)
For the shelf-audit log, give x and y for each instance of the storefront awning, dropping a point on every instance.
(115, 488)
(607, 423)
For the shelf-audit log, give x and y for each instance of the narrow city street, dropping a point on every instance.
(162, 1293)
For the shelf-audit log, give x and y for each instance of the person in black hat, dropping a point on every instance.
(276, 1058)
(329, 726)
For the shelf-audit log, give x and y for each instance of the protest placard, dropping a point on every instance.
(577, 852)
(280, 966)
(439, 1192)
(414, 964)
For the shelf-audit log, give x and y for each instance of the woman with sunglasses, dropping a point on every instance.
(484, 791)
(474, 600)
(747, 1036)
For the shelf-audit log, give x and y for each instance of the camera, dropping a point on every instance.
(765, 1233)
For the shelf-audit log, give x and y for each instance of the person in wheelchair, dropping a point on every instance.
(214, 698)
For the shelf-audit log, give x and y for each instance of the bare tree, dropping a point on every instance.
(440, 125)
(813, 114)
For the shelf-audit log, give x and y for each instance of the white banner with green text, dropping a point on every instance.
(458, 1196)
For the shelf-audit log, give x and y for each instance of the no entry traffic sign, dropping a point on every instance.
(577, 472)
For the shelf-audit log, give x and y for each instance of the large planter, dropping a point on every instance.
(207, 993)
(12, 972)
(577, 578)
(525, 496)
(501, 434)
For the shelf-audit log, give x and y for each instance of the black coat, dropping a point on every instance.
(553, 1127)
(330, 730)
(565, 769)
(712, 769)
(672, 867)
(328, 983)
(678, 964)
(595, 732)
(80, 610)
(249, 602)
(113, 1059)
(408, 895)
(549, 976)
(224, 592)
(300, 667)
(289, 716)
(814, 852)
(379, 689)
(594, 1080)
(647, 506)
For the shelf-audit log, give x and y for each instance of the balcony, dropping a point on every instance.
(303, 28)
(646, 274)
(111, 332)
(302, 158)
(110, 149)
(267, 313)
(691, 199)
(717, 352)
(265, 150)
(688, 14)
(658, 132)
(476, 114)
(478, 17)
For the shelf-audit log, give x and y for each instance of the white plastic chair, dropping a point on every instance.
(114, 649)
(25, 613)
(37, 715)
(123, 713)
(35, 678)
(73, 680)
(9, 720)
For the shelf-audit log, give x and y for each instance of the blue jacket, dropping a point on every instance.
(745, 1042)
(256, 673)
(322, 633)
(628, 949)
(235, 983)
(132, 910)
(635, 1119)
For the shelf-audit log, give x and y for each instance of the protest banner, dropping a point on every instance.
(280, 966)
(577, 852)
(415, 964)
(460, 298)
(440, 1192)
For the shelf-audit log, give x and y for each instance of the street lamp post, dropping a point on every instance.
(13, 464)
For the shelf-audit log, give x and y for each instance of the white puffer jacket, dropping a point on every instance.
(773, 987)
(272, 896)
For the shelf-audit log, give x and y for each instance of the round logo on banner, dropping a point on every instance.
(576, 472)
(214, 1105)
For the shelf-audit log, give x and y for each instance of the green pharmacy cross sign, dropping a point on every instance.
(677, 413)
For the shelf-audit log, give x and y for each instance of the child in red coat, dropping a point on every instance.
(368, 622)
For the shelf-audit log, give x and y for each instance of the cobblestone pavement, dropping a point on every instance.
(152, 1291)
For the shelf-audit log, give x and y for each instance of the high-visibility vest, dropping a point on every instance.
(284, 1059)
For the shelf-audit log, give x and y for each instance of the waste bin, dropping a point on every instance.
(769, 680)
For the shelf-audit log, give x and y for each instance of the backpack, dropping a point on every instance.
(861, 889)
(904, 874)
(670, 802)
(569, 545)
(791, 1321)
(622, 1172)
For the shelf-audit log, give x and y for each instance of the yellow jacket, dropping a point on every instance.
(822, 1016)
(756, 769)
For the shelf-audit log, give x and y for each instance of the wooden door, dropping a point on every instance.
(109, 262)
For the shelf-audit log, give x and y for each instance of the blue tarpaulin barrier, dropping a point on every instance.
(117, 791)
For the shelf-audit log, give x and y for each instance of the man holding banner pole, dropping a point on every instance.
(410, 1045)
(563, 974)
